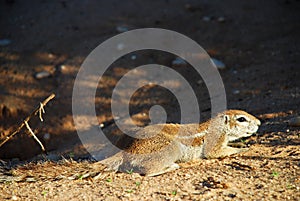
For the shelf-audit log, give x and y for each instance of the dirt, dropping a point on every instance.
(258, 41)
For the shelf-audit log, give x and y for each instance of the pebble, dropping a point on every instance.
(133, 57)
(51, 56)
(4, 42)
(295, 121)
(178, 62)
(62, 67)
(122, 29)
(200, 82)
(219, 64)
(46, 136)
(236, 91)
(43, 74)
(30, 179)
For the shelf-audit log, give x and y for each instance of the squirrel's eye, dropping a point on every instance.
(241, 119)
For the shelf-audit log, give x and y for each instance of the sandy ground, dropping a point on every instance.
(257, 40)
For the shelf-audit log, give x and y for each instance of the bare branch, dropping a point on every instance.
(39, 109)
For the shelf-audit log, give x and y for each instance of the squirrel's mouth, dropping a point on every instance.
(253, 130)
(248, 134)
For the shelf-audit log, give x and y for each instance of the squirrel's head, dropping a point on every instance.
(239, 124)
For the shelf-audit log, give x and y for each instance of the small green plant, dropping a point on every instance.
(174, 192)
(44, 193)
(129, 171)
(109, 179)
(80, 177)
(137, 183)
(129, 191)
(290, 186)
(243, 140)
(275, 174)
(71, 155)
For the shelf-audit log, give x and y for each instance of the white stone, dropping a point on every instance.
(236, 91)
(42, 75)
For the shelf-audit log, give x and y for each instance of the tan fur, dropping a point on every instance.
(170, 143)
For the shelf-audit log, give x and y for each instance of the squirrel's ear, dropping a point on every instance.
(226, 118)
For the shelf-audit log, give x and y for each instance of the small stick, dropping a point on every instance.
(32, 133)
(39, 110)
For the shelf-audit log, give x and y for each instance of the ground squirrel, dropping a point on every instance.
(158, 148)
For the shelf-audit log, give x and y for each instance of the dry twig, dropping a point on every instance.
(34, 136)
(39, 110)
